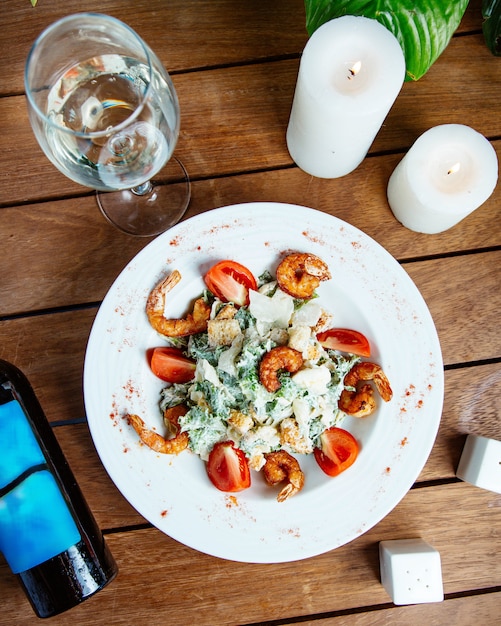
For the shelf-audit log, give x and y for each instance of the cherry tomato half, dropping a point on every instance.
(230, 282)
(345, 340)
(228, 468)
(171, 365)
(339, 450)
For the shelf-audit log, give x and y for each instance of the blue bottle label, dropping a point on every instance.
(35, 522)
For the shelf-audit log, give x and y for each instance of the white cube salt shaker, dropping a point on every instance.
(480, 463)
(411, 571)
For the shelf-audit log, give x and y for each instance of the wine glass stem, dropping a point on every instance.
(142, 190)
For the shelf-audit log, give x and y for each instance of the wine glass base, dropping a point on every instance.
(151, 213)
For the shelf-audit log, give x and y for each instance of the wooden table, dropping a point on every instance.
(234, 64)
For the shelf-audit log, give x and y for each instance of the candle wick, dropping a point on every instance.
(354, 69)
(455, 168)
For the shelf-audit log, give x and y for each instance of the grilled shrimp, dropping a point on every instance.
(277, 359)
(282, 466)
(361, 402)
(195, 322)
(156, 442)
(300, 274)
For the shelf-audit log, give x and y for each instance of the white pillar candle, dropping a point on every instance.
(448, 172)
(350, 73)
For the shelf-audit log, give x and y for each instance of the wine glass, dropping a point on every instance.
(105, 112)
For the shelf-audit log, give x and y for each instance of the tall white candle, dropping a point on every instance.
(448, 173)
(350, 73)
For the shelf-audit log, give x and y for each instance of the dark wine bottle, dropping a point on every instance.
(48, 534)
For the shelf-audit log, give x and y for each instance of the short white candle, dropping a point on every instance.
(350, 73)
(448, 173)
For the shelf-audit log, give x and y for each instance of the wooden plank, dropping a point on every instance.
(50, 350)
(59, 254)
(230, 32)
(42, 237)
(168, 580)
(463, 414)
(480, 609)
(235, 119)
(453, 286)
(226, 33)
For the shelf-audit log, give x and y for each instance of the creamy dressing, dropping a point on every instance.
(226, 399)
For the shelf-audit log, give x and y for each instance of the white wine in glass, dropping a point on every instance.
(105, 112)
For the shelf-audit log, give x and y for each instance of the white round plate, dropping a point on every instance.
(369, 291)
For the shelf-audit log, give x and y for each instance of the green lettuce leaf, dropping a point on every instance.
(491, 11)
(422, 28)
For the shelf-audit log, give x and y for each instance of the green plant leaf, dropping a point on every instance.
(491, 11)
(422, 27)
(33, 3)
